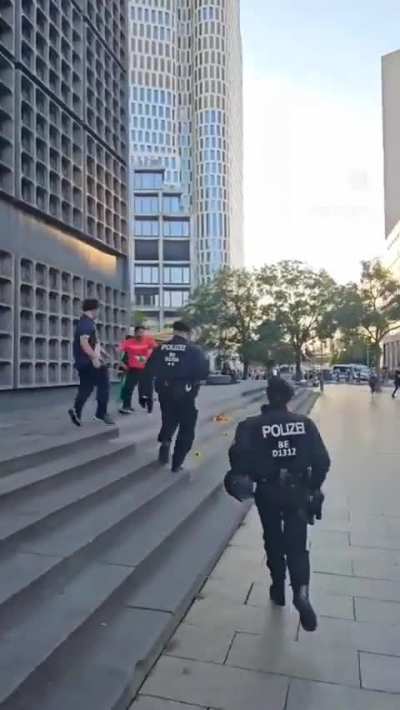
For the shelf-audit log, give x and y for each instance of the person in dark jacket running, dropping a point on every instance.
(178, 367)
(396, 381)
(283, 453)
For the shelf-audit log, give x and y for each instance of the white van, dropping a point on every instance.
(357, 370)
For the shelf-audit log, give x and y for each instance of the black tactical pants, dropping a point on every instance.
(132, 378)
(285, 539)
(178, 412)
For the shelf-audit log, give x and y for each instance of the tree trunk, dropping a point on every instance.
(298, 374)
(246, 365)
(377, 357)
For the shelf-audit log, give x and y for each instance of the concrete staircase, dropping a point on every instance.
(101, 553)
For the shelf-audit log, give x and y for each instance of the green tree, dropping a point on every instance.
(226, 312)
(269, 346)
(371, 308)
(351, 347)
(301, 301)
(137, 317)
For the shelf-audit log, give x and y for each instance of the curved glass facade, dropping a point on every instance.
(186, 115)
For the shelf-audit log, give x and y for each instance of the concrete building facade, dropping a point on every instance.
(186, 116)
(391, 145)
(63, 181)
(162, 277)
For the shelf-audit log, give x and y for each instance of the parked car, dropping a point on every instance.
(356, 371)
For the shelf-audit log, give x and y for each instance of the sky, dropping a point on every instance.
(313, 159)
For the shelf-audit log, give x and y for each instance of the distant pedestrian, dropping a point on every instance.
(396, 381)
(373, 382)
(321, 381)
(136, 350)
(90, 362)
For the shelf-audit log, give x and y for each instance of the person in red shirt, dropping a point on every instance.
(136, 350)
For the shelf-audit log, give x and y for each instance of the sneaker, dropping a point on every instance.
(125, 410)
(105, 420)
(75, 418)
(163, 454)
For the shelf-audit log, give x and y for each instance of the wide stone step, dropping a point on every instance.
(26, 509)
(120, 527)
(99, 563)
(101, 666)
(80, 461)
(43, 549)
(130, 552)
(43, 449)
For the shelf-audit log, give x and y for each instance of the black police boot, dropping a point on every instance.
(163, 454)
(277, 594)
(308, 617)
(177, 463)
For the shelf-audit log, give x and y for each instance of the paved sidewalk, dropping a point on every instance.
(235, 652)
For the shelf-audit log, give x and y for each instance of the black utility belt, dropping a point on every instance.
(177, 384)
(283, 479)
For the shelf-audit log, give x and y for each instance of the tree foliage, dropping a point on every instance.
(269, 346)
(301, 302)
(227, 311)
(372, 307)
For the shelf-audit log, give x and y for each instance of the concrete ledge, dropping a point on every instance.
(46, 448)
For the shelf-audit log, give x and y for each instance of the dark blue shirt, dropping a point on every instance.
(85, 326)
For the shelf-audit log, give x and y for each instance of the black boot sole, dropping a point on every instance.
(163, 455)
(308, 617)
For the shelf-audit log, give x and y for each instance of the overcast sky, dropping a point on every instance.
(313, 136)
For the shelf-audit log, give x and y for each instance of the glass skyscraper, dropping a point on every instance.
(186, 116)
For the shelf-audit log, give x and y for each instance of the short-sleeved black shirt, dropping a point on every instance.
(85, 326)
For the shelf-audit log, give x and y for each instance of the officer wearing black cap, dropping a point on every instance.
(283, 454)
(178, 367)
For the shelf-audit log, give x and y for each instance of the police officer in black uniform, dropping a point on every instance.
(178, 367)
(283, 453)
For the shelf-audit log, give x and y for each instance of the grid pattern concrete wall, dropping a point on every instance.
(63, 180)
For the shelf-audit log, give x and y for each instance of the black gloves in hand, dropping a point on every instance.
(314, 506)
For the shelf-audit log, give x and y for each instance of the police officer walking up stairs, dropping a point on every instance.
(178, 367)
(283, 454)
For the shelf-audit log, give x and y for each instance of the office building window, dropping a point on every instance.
(146, 250)
(146, 228)
(172, 204)
(147, 274)
(176, 228)
(148, 180)
(146, 204)
(176, 251)
(147, 297)
(175, 299)
(176, 275)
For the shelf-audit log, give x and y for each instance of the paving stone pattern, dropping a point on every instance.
(235, 651)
